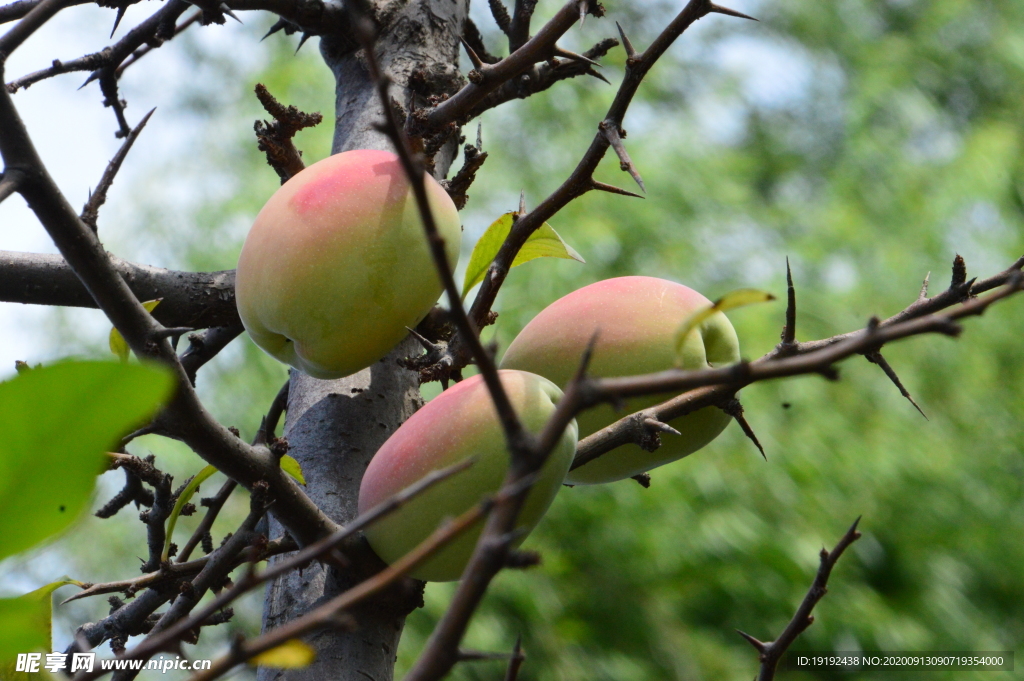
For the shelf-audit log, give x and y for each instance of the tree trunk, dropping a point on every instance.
(335, 427)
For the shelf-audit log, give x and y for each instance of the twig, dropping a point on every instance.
(9, 182)
(275, 139)
(184, 415)
(96, 199)
(16, 10)
(205, 346)
(213, 504)
(146, 49)
(491, 76)
(175, 572)
(324, 547)
(473, 159)
(770, 653)
(324, 615)
(34, 18)
(541, 77)
(516, 661)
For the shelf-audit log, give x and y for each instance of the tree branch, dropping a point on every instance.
(194, 299)
(709, 387)
(770, 653)
(184, 415)
(17, 10)
(489, 77)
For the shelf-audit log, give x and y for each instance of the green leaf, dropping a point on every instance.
(292, 654)
(731, 300)
(186, 495)
(543, 243)
(118, 345)
(57, 423)
(26, 623)
(290, 466)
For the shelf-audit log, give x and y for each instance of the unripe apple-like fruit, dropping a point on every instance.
(458, 424)
(337, 265)
(636, 319)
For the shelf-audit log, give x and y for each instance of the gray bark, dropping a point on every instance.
(335, 427)
(197, 299)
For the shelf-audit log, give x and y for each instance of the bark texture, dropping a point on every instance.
(335, 427)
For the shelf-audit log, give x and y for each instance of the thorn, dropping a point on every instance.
(789, 332)
(595, 74)
(611, 189)
(959, 272)
(644, 479)
(734, 409)
(117, 19)
(261, 434)
(92, 76)
(876, 358)
(280, 25)
(718, 9)
(227, 10)
(427, 345)
(566, 54)
(479, 136)
(583, 11)
(588, 354)
(655, 424)
(478, 63)
(630, 51)
(522, 202)
(171, 332)
(613, 135)
(302, 41)
(752, 641)
(516, 661)
(924, 287)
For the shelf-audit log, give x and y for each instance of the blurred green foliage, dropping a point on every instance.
(867, 140)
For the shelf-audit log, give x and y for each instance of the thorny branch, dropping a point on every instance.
(581, 180)
(184, 416)
(324, 549)
(770, 653)
(710, 387)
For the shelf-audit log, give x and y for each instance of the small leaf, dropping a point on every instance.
(292, 654)
(731, 300)
(118, 345)
(543, 243)
(26, 622)
(186, 495)
(290, 466)
(58, 422)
